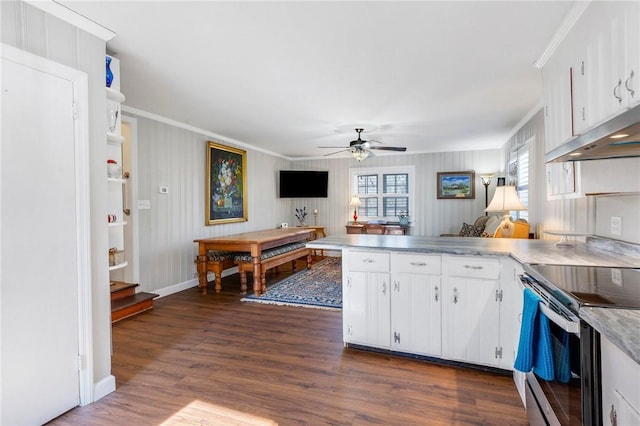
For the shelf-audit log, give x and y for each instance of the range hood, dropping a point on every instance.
(616, 138)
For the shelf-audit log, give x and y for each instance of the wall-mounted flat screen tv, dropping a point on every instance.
(303, 184)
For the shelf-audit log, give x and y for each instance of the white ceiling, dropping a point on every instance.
(288, 77)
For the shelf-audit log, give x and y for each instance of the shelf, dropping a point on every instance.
(117, 180)
(114, 95)
(119, 266)
(116, 224)
(115, 138)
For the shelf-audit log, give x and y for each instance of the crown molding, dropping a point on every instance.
(72, 17)
(567, 24)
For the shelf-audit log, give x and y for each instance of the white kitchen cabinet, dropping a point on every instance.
(511, 319)
(366, 313)
(563, 180)
(593, 74)
(620, 386)
(416, 304)
(471, 310)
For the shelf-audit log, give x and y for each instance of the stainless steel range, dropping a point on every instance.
(563, 291)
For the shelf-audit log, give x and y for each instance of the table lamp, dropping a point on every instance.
(355, 203)
(504, 200)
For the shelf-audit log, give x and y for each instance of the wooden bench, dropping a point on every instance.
(269, 259)
(214, 261)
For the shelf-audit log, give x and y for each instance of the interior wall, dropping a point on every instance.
(432, 216)
(626, 207)
(175, 158)
(28, 28)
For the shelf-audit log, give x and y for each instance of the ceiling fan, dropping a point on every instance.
(361, 149)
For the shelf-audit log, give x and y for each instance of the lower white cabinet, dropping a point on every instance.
(471, 310)
(366, 310)
(416, 304)
(620, 386)
(443, 306)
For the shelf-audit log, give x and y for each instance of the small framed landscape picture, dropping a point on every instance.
(456, 185)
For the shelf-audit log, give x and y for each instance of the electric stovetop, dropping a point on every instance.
(591, 285)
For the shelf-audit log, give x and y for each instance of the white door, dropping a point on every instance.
(39, 265)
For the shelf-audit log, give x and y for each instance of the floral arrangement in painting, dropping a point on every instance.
(228, 175)
(301, 214)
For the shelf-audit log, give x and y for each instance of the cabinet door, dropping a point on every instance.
(620, 386)
(557, 99)
(366, 310)
(510, 311)
(561, 179)
(470, 317)
(416, 313)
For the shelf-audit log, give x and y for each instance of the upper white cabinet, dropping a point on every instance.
(593, 74)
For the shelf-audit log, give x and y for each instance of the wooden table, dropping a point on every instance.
(319, 233)
(253, 242)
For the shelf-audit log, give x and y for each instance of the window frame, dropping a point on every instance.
(354, 172)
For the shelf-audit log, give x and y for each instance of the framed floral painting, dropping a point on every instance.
(226, 196)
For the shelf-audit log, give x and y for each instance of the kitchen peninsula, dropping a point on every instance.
(452, 261)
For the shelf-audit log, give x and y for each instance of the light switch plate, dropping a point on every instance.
(163, 189)
(616, 225)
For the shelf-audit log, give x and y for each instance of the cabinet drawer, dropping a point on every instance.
(368, 261)
(473, 267)
(414, 263)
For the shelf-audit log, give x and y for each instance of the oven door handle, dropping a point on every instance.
(565, 324)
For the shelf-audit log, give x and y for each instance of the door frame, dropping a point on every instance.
(132, 241)
(80, 83)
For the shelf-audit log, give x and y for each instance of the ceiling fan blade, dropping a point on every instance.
(390, 148)
(335, 147)
(331, 153)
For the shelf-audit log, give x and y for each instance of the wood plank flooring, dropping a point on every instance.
(214, 360)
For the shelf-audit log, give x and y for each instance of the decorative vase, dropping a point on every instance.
(109, 73)
(404, 221)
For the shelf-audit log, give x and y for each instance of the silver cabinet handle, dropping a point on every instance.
(455, 295)
(626, 84)
(418, 263)
(613, 416)
(396, 286)
(617, 87)
(384, 288)
(477, 267)
(368, 260)
(396, 337)
(436, 297)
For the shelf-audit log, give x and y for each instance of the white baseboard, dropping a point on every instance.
(175, 288)
(104, 387)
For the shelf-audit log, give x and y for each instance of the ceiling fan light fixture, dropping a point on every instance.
(360, 154)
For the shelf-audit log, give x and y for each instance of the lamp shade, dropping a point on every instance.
(355, 201)
(505, 199)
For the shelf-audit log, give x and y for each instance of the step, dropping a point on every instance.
(120, 289)
(131, 305)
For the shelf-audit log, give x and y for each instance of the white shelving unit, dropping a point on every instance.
(116, 183)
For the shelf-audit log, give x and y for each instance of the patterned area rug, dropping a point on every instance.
(320, 287)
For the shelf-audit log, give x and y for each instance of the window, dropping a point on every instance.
(519, 177)
(384, 192)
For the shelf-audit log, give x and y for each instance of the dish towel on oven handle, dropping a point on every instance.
(535, 351)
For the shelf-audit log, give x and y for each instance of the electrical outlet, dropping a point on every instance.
(616, 276)
(616, 225)
(163, 190)
(144, 204)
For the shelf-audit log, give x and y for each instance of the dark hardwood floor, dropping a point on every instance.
(212, 359)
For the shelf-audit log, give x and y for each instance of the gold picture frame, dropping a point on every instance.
(457, 185)
(226, 187)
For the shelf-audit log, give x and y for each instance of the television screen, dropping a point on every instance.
(303, 184)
